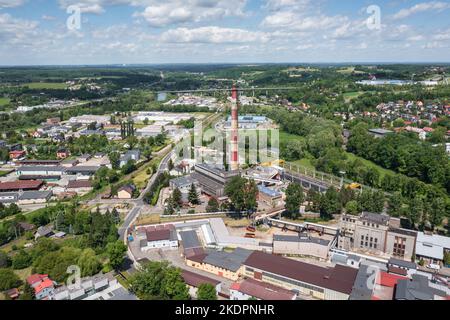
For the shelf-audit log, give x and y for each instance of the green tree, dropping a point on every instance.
(352, 207)
(330, 203)
(193, 195)
(89, 263)
(436, 212)
(177, 197)
(206, 291)
(4, 260)
(294, 198)
(28, 292)
(170, 165)
(116, 253)
(415, 212)
(159, 281)
(213, 205)
(173, 286)
(21, 260)
(8, 279)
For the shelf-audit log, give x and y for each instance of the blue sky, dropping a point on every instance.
(35, 32)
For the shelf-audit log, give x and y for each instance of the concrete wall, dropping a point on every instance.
(301, 248)
(410, 243)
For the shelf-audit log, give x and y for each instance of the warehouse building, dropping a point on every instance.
(48, 171)
(252, 289)
(431, 247)
(269, 196)
(377, 234)
(159, 237)
(224, 264)
(319, 282)
(194, 280)
(212, 180)
(301, 244)
(21, 186)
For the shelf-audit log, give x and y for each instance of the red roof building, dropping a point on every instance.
(42, 284)
(21, 185)
(260, 290)
(36, 278)
(195, 280)
(339, 279)
(14, 155)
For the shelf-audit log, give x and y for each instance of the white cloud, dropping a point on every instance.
(213, 35)
(11, 3)
(422, 7)
(163, 13)
(293, 21)
(442, 36)
(15, 30)
(276, 5)
(48, 18)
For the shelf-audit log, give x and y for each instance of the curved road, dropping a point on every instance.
(139, 202)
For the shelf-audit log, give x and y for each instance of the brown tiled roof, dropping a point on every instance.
(195, 279)
(158, 235)
(75, 184)
(264, 291)
(340, 278)
(21, 185)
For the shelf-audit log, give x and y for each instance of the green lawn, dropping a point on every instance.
(4, 173)
(370, 164)
(45, 85)
(4, 101)
(304, 163)
(287, 137)
(351, 95)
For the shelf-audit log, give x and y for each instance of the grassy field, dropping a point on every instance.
(370, 164)
(24, 273)
(287, 137)
(4, 173)
(349, 70)
(351, 95)
(304, 163)
(4, 101)
(45, 85)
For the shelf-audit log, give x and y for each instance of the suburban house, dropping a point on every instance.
(44, 231)
(42, 284)
(88, 287)
(126, 192)
(184, 185)
(62, 153)
(131, 155)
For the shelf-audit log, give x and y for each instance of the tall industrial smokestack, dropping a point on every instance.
(234, 129)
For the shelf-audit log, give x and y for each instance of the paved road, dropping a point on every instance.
(139, 202)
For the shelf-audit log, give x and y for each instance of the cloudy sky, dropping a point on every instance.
(38, 32)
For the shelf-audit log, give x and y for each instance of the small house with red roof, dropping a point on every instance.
(17, 154)
(42, 284)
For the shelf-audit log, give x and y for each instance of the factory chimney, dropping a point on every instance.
(234, 129)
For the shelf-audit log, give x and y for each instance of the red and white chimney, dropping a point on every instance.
(234, 164)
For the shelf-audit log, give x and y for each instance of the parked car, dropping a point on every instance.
(433, 266)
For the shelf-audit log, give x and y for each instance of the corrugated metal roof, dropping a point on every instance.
(228, 260)
(190, 239)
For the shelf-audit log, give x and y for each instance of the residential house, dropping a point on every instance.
(126, 192)
(43, 286)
